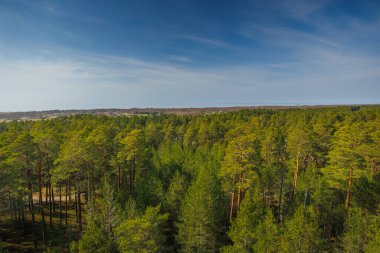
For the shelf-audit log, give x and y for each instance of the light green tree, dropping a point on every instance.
(200, 216)
(142, 234)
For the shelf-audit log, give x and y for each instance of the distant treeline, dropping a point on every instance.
(35, 115)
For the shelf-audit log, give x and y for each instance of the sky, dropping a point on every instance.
(82, 54)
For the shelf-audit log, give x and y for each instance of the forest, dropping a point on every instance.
(264, 180)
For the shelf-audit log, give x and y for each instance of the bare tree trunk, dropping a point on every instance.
(40, 183)
(305, 199)
(50, 207)
(239, 193)
(79, 212)
(130, 177)
(67, 186)
(14, 209)
(295, 178)
(60, 204)
(33, 216)
(19, 213)
(52, 196)
(118, 179)
(22, 216)
(348, 196)
(76, 202)
(88, 188)
(238, 198)
(232, 199)
(280, 195)
(47, 193)
(133, 171)
(43, 224)
(40, 186)
(10, 206)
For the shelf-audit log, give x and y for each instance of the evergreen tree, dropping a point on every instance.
(243, 229)
(301, 233)
(267, 235)
(200, 216)
(359, 229)
(142, 234)
(346, 163)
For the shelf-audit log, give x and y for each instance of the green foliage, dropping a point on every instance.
(200, 217)
(360, 228)
(296, 180)
(142, 234)
(267, 235)
(243, 229)
(95, 239)
(301, 233)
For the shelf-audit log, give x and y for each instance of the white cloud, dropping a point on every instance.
(88, 81)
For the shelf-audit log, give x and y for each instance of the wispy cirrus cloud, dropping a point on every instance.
(206, 41)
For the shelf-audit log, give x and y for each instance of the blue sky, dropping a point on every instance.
(182, 53)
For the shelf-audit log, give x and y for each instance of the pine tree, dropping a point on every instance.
(301, 233)
(200, 216)
(359, 229)
(95, 238)
(238, 168)
(346, 163)
(267, 235)
(242, 231)
(142, 234)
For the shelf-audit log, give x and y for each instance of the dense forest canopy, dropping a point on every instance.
(294, 180)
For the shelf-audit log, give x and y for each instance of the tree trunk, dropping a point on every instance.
(33, 216)
(60, 204)
(232, 199)
(305, 199)
(79, 212)
(52, 196)
(133, 171)
(348, 196)
(295, 178)
(22, 216)
(239, 194)
(43, 224)
(47, 192)
(50, 207)
(40, 183)
(67, 186)
(88, 188)
(130, 178)
(40, 186)
(10, 207)
(280, 196)
(118, 179)
(76, 202)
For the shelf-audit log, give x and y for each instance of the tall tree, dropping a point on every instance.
(242, 231)
(131, 153)
(142, 234)
(300, 150)
(345, 160)
(200, 221)
(301, 233)
(238, 168)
